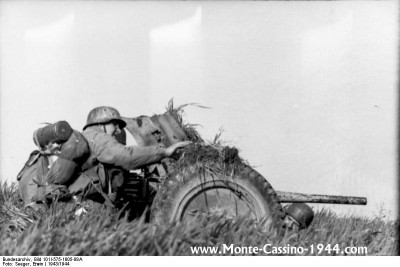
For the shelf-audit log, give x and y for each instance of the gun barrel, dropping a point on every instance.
(290, 197)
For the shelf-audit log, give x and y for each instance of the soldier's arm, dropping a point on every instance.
(108, 150)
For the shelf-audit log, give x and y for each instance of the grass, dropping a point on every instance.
(56, 231)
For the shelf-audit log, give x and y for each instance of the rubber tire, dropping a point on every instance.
(176, 191)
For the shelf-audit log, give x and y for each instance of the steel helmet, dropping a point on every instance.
(103, 115)
(302, 213)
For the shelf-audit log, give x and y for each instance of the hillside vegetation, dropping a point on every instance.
(57, 231)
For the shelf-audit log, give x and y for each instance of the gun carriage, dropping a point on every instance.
(204, 178)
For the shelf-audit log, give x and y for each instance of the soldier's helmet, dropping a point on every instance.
(302, 213)
(103, 115)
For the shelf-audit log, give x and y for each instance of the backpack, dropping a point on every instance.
(27, 187)
(40, 176)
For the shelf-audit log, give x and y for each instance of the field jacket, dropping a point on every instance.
(107, 150)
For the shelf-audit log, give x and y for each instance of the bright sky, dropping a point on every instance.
(305, 90)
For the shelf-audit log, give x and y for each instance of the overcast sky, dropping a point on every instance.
(305, 90)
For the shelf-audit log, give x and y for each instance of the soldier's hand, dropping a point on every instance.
(169, 151)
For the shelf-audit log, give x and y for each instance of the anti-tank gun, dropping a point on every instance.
(205, 178)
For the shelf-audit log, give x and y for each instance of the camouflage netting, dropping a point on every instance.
(199, 153)
(189, 129)
(208, 154)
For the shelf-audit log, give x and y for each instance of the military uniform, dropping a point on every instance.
(108, 163)
(106, 149)
(91, 165)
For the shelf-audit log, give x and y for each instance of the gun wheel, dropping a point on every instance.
(238, 192)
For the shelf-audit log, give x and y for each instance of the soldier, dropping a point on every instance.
(298, 216)
(103, 176)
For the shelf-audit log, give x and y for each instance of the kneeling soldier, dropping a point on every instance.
(109, 160)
